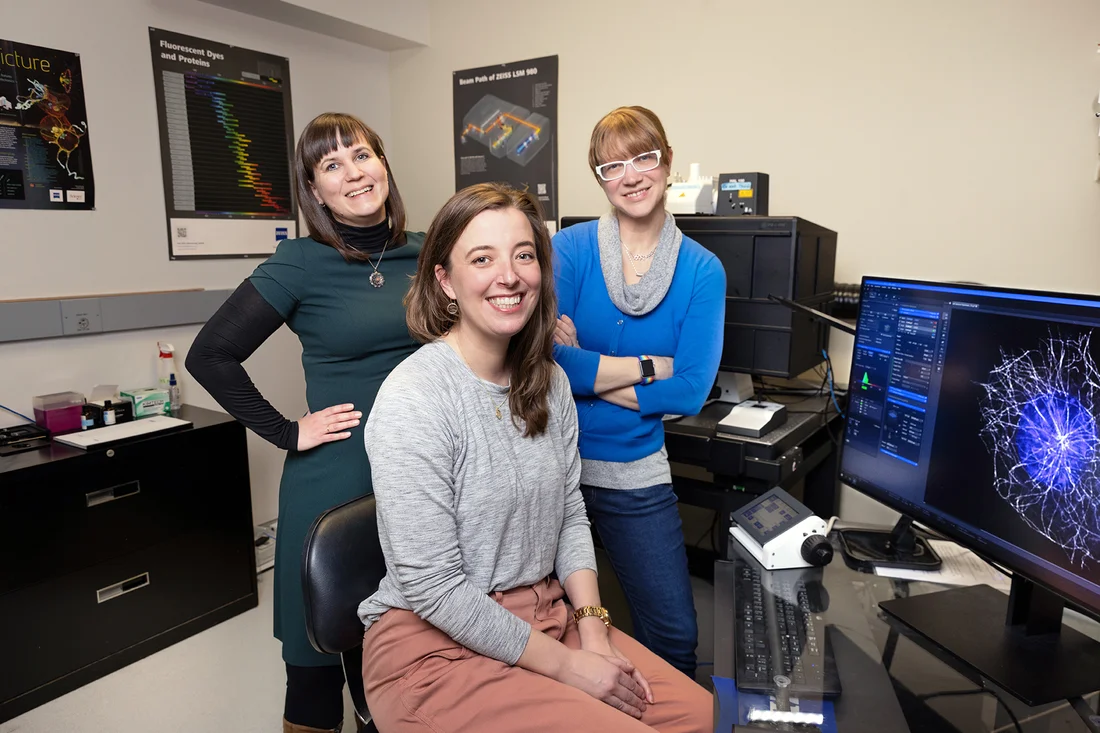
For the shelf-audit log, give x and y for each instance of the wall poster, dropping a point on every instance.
(226, 141)
(45, 157)
(505, 128)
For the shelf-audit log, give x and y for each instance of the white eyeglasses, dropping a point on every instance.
(617, 168)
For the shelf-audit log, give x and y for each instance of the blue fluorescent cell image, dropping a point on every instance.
(1039, 411)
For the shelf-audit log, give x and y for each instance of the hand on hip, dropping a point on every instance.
(327, 425)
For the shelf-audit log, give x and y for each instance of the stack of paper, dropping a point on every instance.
(960, 567)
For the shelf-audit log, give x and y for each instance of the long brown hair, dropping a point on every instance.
(318, 139)
(530, 357)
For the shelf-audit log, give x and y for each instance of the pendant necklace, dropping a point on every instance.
(480, 381)
(377, 279)
(637, 258)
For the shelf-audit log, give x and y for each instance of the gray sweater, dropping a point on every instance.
(467, 505)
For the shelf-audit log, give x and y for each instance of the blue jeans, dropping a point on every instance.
(641, 532)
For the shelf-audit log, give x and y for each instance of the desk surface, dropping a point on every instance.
(199, 417)
(804, 416)
(883, 671)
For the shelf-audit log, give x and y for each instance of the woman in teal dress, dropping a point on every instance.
(340, 291)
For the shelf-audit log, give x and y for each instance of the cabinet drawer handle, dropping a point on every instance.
(94, 498)
(119, 589)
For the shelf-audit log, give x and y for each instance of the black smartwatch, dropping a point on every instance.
(649, 371)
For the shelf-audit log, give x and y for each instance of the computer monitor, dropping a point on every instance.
(975, 411)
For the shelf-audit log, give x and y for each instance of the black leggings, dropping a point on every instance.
(314, 696)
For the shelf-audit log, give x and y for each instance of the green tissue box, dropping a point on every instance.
(147, 402)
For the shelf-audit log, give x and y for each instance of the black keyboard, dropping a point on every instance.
(777, 633)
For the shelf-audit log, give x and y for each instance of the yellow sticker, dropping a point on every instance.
(683, 194)
(744, 193)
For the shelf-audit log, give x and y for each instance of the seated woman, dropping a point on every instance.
(473, 451)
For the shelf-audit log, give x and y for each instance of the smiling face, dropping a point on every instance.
(494, 274)
(637, 194)
(352, 183)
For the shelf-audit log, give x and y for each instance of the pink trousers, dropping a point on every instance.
(417, 678)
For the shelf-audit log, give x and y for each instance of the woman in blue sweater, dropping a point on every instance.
(640, 336)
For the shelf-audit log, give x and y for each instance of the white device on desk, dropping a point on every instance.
(697, 195)
(753, 418)
(781, 533)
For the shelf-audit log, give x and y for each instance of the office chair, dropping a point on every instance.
(342, 564)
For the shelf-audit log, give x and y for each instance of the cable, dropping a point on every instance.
(832, 392)
(710, 531)
(2, 407)
(977, 691)
(1091, 721)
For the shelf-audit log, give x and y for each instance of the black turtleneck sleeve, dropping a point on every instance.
(216, 359)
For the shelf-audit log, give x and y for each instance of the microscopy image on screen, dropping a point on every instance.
(1017, 448)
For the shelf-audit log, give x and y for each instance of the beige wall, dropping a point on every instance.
(944, 139)
(68, 253)
(950, 140)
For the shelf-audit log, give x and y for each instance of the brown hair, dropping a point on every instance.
(318, 139)
(625, 132)
(530, 352)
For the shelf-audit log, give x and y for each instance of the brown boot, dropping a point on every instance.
(289, 727)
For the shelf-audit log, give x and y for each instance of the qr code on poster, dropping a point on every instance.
(181, 232)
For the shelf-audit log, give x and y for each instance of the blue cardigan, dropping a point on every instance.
(687, 325)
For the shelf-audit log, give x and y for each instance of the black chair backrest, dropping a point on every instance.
(342, 564)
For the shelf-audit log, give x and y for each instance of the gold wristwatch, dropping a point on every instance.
(598, 611)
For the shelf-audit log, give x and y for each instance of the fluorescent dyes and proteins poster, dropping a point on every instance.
(45, 155)
(226, 147)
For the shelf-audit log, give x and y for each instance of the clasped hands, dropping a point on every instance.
(601, 670)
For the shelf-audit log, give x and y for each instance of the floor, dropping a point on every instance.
(227, 678)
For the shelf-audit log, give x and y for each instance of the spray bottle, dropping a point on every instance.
(166, 364)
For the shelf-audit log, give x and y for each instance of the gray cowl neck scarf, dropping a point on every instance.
(647, 294)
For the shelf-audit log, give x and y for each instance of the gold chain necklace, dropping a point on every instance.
(480, 381)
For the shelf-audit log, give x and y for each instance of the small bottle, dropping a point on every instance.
(108, 413)
(173, 394)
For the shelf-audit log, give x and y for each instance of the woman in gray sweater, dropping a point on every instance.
(473, 449)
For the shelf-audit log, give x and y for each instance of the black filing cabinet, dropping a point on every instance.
(111, 554)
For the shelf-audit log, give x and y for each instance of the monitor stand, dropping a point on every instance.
(1032, 655)
(866, 549)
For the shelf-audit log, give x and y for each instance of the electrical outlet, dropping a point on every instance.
(81, 315)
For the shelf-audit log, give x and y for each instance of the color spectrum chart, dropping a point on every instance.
(226, 147)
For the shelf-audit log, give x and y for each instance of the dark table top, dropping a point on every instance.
(877, 698)
(199, 417)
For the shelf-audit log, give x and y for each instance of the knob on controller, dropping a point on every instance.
(816, 550)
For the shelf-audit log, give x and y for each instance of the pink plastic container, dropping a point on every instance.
(59, 412)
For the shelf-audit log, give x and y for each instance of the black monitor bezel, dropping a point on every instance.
(1075, 595)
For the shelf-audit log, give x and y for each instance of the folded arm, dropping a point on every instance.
(698, 350)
